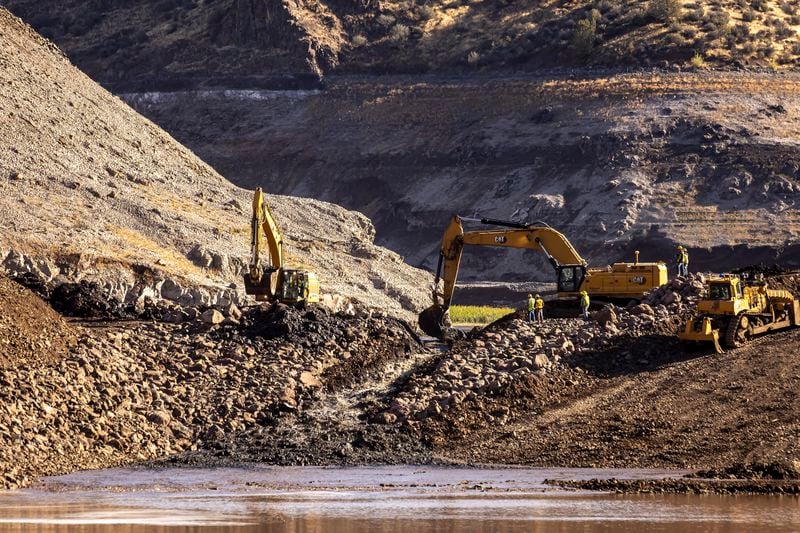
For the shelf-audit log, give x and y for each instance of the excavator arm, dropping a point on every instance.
(263, 228)
(554, 244)
(556, 247)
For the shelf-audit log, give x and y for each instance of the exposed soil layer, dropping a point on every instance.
(31, 333)
(617, 162)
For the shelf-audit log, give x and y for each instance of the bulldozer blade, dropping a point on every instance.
(430, 321)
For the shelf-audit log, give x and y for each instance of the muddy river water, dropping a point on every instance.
(418, 499)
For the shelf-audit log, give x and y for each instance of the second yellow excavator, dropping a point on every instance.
(617, 281)
(275, 282)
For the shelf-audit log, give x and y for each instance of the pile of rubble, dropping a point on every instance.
(680, 295)
(30, 331)
(136, 391)
(510, 350)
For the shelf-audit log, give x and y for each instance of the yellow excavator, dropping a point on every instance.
(274, 281)
(735, 310)
(573, 275)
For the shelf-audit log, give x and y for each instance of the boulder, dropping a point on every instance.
(212, 316)
(309, 380)
(606, 315)
(642, 309)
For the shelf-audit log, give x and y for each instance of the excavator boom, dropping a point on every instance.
(554, 244)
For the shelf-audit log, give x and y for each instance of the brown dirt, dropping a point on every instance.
(683, 486)
(679, 410)
(31, 333)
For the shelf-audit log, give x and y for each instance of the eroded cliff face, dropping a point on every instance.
(173, 44)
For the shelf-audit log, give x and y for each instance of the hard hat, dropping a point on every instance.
(584, 292)
(531, 296)
(537, 295)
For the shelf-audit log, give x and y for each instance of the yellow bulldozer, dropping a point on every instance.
(573, 275)
(735, 310)
(274, 281)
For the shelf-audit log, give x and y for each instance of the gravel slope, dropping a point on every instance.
(90, 188)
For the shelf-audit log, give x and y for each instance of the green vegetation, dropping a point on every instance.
(477, 314)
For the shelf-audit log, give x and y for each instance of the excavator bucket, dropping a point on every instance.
(263, 288)
(431, 321)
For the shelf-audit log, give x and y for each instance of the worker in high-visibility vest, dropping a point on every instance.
(585, 304)
(685, 261)
(538, 308)
(530, 307)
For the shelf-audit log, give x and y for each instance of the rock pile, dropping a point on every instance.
(137, 391)
(31, 333)
(680, 295)
(488, 362)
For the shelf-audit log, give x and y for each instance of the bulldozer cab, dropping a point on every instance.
(725, 289)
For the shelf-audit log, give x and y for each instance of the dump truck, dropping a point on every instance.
(737, 309)
(274, 281)
(628, 281)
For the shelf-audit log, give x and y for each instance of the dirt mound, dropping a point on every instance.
(773, 470)
(133, 391)
(31, 333)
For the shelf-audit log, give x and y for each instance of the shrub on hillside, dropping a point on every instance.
(665, 10)
(584, 37)
(400, 32)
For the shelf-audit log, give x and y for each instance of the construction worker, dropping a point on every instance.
(685, 261)
(679, 259)
(585, 304)
(538, 307)
(531, 306)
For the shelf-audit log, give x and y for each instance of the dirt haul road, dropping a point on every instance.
(667, 409)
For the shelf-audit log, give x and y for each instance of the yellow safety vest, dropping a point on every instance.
(530, 304)
(584, 300)
(539, 304)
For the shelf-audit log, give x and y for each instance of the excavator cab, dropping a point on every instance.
(570, 277)
(296, 286)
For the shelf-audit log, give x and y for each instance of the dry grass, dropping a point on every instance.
(474, 314)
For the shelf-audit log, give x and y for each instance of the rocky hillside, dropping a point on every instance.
(173, 43)
(617, 162)
(92, 189)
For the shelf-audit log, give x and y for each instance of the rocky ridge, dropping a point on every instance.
(164, 45)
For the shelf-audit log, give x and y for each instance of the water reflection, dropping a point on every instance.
(396, 499)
